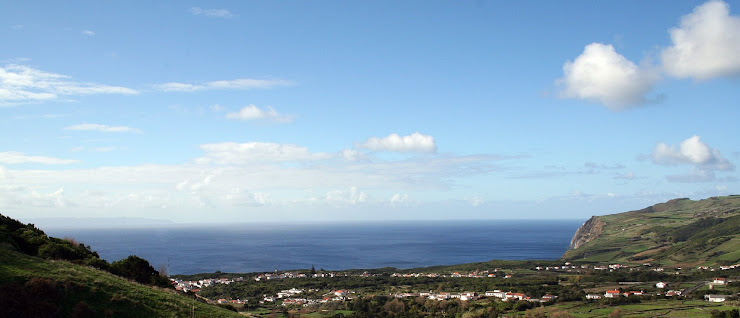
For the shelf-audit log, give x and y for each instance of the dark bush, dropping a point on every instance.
(138, 269)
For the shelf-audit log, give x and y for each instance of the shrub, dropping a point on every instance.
(138, 269)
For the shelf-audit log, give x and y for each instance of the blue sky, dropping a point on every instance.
(269, 111)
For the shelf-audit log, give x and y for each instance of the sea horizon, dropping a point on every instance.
(134, 222)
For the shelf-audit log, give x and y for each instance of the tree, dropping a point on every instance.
(138, 269)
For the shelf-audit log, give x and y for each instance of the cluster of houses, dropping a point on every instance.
(614, 294)
(196, 285)
(465, 296)
(291, 297)
(569, 266)
(284, 275)
(476, 274)
(723, 268)
(230, 301)
(669, 293)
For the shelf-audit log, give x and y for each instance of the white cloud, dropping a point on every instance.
(691, 151)
(237, 84)
(88, 32)
(415, 142)
(252, 112)
(231, 176)
(12, 157)
(626, 176)
(706, 45)
(213, 13)
(399, 198)
(102, 128)
(240, 153)
(350, 196)
(351, 155)
(602, 75)
(27, 197)
(21, 84)
(476, 201)
(105, 149)
(262, 198)
(695, 175)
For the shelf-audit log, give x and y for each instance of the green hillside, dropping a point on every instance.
(31, 286)
(679, 232)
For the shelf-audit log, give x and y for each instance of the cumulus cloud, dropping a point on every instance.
(602, 75)
(239, 153)
(706, 45)
(21, 84)
(252, 112)
(691, 151)
(399, 198)
(415, 142)
(237, 84)
(13, 157)
(350, 196)
(212, 13)
(102, 128)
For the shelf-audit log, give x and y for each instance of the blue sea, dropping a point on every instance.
(332, 246)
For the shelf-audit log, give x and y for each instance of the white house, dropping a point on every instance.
(720, 280)
(612, 293)
(496, 293)
(593, 296)
(661, 285)
(518, 296)
(715, 298)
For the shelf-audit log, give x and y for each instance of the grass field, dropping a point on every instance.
(657, 308)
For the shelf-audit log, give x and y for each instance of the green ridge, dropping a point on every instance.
(679, 232)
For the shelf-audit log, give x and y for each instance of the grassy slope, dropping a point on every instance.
(679, 232)
(658, 308)
(101, 290)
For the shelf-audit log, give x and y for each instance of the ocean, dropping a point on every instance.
(332, 246)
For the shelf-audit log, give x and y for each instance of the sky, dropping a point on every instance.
(254, 111)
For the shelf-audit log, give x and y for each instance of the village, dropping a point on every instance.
(294, 296)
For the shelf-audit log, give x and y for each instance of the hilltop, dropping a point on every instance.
(42, 276)
(679, 232)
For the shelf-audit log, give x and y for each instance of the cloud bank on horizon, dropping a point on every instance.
(307, 113)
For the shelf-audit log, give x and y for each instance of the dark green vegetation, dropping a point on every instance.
(373, 295)
(41, 276)
(680, 232)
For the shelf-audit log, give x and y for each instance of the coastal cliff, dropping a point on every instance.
(587, 232)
